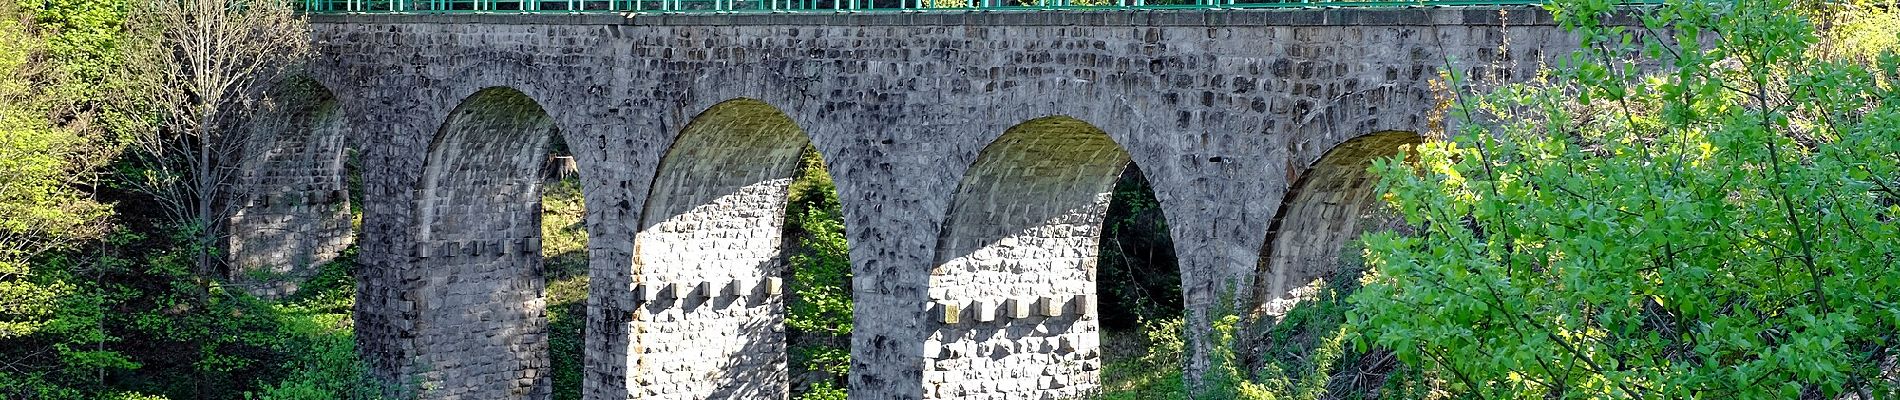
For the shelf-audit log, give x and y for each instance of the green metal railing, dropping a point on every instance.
(747, 6)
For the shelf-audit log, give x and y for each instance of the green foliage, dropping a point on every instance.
(819, 306)
(84, 44)
(92, 311)
(136, 325)
(823, 391)
(821, 271)
(44, 164)
(1148, 367)
(1723, 228)
(1305, 354)
(1860, 30)
(827, 357)
(324, 365)
(321, 360)
(331, 290)
(1138, 276)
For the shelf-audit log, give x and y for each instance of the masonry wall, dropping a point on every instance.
(1012, 290)
(482, 327)
(293, 207)
(1331, 203)
(1218, 107)
(711, 316)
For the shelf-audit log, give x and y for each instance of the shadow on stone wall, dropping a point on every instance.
(707, 258)
(482, 328)
(1320, 214)
(291, 209)
(1014, 285)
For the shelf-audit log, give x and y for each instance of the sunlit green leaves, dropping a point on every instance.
(1722, 227)
(42, 166)
(819, 308)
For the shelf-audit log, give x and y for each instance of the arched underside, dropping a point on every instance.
(1013, 289)
(710, 318)
(482, 328)
(1326, 208)
(293, 213)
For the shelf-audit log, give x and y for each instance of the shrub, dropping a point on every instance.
(1724, 227)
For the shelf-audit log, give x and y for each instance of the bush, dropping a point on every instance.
(818, 308)
(1725, 227)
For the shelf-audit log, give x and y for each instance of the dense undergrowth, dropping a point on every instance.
(818, 276)
(1305, 354)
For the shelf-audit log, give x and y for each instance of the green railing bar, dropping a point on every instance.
(776, 6)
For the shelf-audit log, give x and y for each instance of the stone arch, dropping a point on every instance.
(292, 211)
(482, 323)
(710, 309)
(1012, 292)
(1322, 210)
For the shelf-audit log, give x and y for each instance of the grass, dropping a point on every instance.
(564, 248)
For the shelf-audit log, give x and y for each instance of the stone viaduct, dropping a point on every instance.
(973, 153)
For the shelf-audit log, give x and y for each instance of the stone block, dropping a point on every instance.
(646, 292)
(949, 314)
(1019, 307)
(983, 311)
(744, 287)
(1085, 305)
(1050, 306)
(933, 349)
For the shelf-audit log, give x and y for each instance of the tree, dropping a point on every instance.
(1727, 226)
(206, 65)
(41, 206)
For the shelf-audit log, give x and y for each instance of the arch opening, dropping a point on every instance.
(1139, 279)
(478, 251)
(1325, 209)
(565, 268)
(294, 211)
(1311, 262)
(714, 281)
(1013, 291)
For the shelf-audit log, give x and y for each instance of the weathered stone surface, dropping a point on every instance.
(1324, 211)
(293, 203)
(481, 330)
(1025, 223)
(921, 119)
(713, 221)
